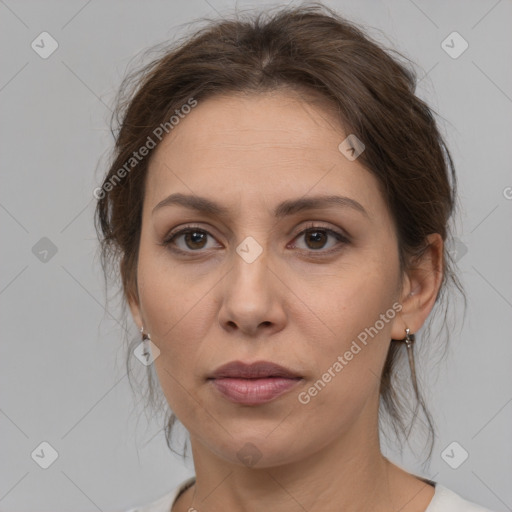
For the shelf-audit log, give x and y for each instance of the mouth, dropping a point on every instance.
(253, 384)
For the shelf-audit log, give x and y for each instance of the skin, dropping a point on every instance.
(209, 306)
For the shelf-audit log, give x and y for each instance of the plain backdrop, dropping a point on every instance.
(62, 375)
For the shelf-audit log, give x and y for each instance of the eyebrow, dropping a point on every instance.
(286, 208)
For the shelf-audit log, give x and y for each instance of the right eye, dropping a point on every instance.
(193, 238)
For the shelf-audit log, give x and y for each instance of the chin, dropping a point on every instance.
(259, 451)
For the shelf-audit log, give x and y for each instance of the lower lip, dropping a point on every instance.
(254, 391)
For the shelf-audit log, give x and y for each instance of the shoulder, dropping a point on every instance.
(446, 500)
(164, 503)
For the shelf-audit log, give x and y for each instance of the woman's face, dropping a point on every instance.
(252, 286)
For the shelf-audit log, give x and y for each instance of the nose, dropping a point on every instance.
(252, 296)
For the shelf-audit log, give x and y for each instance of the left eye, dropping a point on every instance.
(316, 237)
(195, 239)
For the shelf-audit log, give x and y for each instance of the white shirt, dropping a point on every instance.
(444, 500)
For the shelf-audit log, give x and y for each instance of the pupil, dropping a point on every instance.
(317, 236)
(192, 235)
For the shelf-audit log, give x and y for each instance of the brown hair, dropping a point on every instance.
(307, 49)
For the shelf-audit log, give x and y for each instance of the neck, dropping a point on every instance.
(349, 472)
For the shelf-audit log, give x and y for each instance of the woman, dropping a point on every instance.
(278, 205)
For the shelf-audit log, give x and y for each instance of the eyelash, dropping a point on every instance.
(342, 239)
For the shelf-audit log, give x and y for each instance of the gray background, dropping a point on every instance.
(62, 376)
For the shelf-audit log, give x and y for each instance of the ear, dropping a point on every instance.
(421, 286)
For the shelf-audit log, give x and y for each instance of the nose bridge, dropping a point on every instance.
(248, 293)
(253, 231)
(251, 250)
(250, 263)
(250, 277)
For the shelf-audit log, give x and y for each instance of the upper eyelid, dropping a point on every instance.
(311, 225)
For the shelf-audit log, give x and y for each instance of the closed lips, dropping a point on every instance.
(253, 384)
(257, 370)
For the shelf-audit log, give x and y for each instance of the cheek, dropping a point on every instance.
(347, 302)
(177, 311)
(348, 360)
(170, 310)
(352, 321)
(169, 296)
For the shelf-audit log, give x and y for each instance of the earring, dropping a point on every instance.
(409, 342)
(144, 335)
(409, 338)
(146, 338)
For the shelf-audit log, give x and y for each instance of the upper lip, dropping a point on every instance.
(256, 370)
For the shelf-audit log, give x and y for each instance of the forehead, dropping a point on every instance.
(249, 122)
(272, 145)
